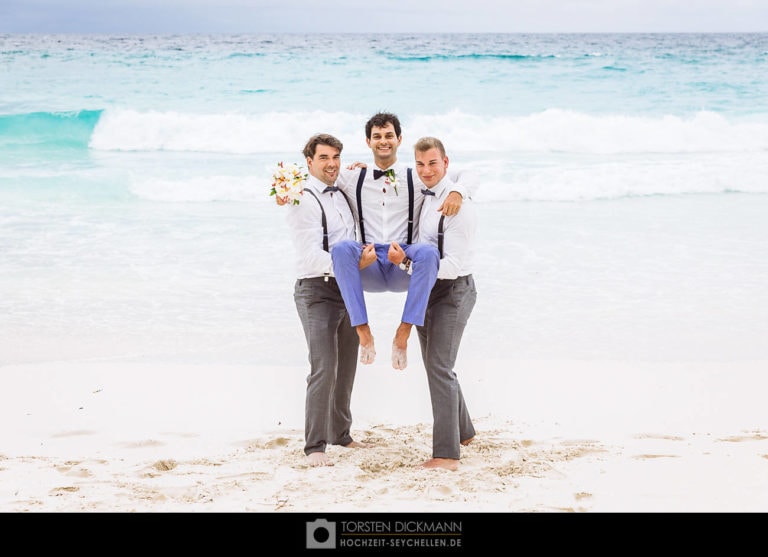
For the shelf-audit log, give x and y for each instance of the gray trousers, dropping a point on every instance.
(450, 305)
(333, 344)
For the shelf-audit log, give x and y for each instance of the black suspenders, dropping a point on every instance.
(440, 236)
(410, 206)
(325, 222)
(440, 233)
(360, 203)
(359, 198)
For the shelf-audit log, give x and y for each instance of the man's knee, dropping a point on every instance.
(346, 249)
(425, 253)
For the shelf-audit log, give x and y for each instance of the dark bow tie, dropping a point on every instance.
(330, 189)
(427, 191)
(378, 173)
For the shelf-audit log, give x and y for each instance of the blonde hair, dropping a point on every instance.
(427, 143)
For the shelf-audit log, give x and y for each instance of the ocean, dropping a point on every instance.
(621, 182)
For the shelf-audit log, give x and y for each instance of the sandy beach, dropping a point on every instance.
(151, 358)
(570, 437)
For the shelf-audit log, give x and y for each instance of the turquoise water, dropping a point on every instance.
(621, 184)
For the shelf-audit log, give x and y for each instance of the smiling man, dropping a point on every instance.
(387, 200)
(450, 305)
(316, 225)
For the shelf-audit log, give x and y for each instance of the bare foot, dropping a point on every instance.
(400, 346)
(399, 356)
(367, 350)
(357, 445)
(319, 459)
(444, 463)
(367, 354)
(467, 441)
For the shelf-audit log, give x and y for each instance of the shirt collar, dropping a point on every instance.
(316, 184)
(441, 187)
(395, 166)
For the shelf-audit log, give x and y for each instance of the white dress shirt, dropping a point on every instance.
(385, 211)
(458, 232)
(306, 228)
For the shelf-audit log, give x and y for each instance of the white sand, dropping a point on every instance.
(615, 361)
(553, 436)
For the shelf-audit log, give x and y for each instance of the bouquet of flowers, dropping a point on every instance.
(288, 182)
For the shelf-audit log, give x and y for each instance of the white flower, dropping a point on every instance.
(288, 182)
(390, 179)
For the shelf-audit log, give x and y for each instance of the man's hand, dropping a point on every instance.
(356, 164)
(452, 204)
(368, 256)
(395, 254)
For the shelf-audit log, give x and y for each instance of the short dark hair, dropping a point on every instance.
(381, 119)
(427, 143)
(321, 139)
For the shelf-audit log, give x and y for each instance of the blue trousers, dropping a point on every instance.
(384, 276)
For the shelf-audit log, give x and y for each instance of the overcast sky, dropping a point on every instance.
(333, 16)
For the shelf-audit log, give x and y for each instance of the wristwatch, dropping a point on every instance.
(405, 265)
